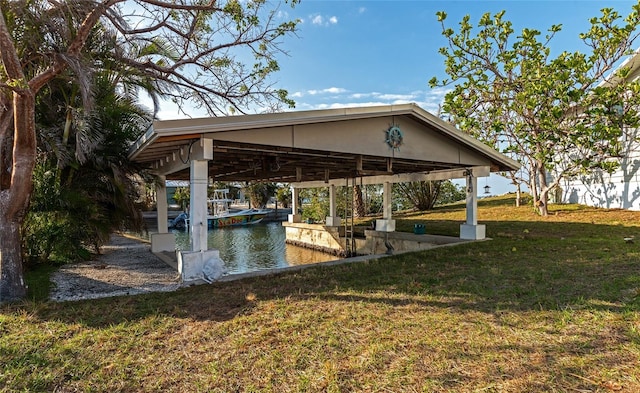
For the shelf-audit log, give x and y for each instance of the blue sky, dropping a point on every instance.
(352, 53)
(358, 53)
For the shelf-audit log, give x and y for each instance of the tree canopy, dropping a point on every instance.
(84, 185)
(216, 55)
(561, 113)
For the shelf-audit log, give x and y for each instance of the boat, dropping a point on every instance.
(234, 218)
(221, 215)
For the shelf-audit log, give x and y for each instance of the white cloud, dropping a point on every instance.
(433, 99)
(430, 107)
(330, 90)
(170, 111)
(394, 97)
(320, 20)
(437, 93)
(362, 10)
(317, 20)
(338, 105)
(335, 90)
(430, 100)
(330, 98)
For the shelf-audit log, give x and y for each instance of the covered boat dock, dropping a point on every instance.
(306, 149)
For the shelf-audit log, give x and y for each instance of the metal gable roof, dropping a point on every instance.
(307, 145)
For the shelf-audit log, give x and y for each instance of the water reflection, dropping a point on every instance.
(255, 247)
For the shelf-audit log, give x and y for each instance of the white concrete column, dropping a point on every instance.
(161, 205)
(163, 240)
(332, 200)
(387, 224)
(295, 200)
(332, 219)
(471, 230)
(198, 205)
(295, 196)
(472, 200)
(200, 263)
(387, 201)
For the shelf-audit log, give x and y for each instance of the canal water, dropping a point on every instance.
(255, 247)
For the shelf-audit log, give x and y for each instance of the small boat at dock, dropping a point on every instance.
(233, 218)
(221, 215)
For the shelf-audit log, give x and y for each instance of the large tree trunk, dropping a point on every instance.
(12, 286)
(15, 190)
(14, 201)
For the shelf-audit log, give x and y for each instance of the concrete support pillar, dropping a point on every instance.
(332, 219)
(332, 200)
(198, 205)
(470, 230)
(161, 205)
(387, 201)
(163, 240)
(295, 204)
(387, 224)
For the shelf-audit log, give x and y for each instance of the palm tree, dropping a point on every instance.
(86, 119)
(421, 195)
(84, 182)
(173, 42)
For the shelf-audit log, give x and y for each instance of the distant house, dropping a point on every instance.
(620, 189)
(172, 186)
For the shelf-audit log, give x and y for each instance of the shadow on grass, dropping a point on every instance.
(527, 266)
(465, 318)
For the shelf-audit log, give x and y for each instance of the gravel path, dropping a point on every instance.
(125, 267)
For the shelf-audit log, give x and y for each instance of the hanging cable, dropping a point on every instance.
(188, 153)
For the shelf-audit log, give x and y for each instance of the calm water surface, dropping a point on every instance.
(255, 247)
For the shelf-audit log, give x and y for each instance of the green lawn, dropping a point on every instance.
(549, 305)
